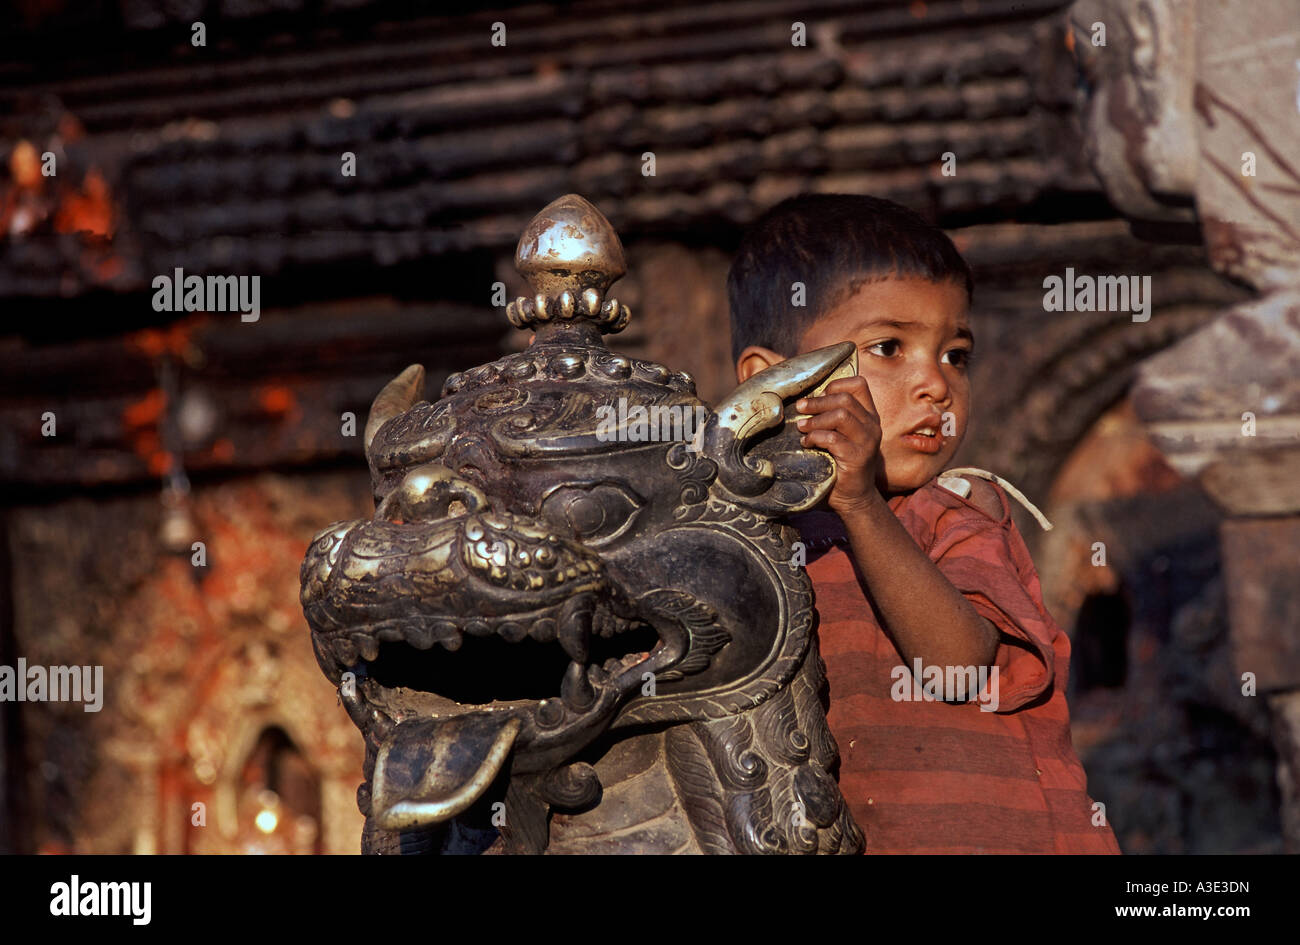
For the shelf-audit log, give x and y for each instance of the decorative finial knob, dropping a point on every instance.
(570, 255)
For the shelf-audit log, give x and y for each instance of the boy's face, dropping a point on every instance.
(914, 342)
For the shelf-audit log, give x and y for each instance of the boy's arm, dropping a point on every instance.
(927, 618)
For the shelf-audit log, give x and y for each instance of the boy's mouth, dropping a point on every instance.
(926, 437)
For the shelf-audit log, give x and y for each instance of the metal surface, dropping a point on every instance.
(568, 629)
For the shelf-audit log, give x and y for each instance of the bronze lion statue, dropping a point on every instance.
(573, 624)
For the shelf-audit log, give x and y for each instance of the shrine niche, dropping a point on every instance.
(215, 695)
(555, 637)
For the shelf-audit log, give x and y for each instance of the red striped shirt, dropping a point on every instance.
(928, 776)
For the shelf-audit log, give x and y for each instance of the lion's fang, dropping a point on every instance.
(576, 689)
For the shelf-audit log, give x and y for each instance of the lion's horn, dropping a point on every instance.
(759, 404)
(398, 395)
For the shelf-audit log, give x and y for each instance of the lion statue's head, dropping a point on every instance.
(573, 623)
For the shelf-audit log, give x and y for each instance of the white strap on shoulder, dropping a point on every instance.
(948, 480)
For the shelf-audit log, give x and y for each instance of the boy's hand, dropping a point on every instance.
(843, 421)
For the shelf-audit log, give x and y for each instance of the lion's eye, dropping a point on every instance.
(595, 512)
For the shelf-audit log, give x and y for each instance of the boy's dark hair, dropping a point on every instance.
(833, 244)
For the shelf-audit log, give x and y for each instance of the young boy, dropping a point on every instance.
(947, 676)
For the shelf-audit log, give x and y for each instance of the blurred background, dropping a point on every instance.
(218, 733)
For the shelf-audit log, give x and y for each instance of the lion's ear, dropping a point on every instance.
(753, 438)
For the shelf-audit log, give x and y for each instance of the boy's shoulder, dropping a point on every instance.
(970, 491)
(987, 497)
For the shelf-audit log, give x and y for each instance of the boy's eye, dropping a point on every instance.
(885, 349)
(958, 357)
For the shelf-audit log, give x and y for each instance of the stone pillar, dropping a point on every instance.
(1260, 557)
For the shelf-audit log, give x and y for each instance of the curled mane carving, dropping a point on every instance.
(759, 782)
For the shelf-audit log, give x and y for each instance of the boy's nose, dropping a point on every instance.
(932, 383)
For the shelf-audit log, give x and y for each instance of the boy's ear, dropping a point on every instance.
(754, 359)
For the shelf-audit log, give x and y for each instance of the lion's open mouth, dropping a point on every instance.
(447, 716)
(486, 670)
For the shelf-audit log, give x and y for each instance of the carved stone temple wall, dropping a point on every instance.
(172, 428)
(1195, 122)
